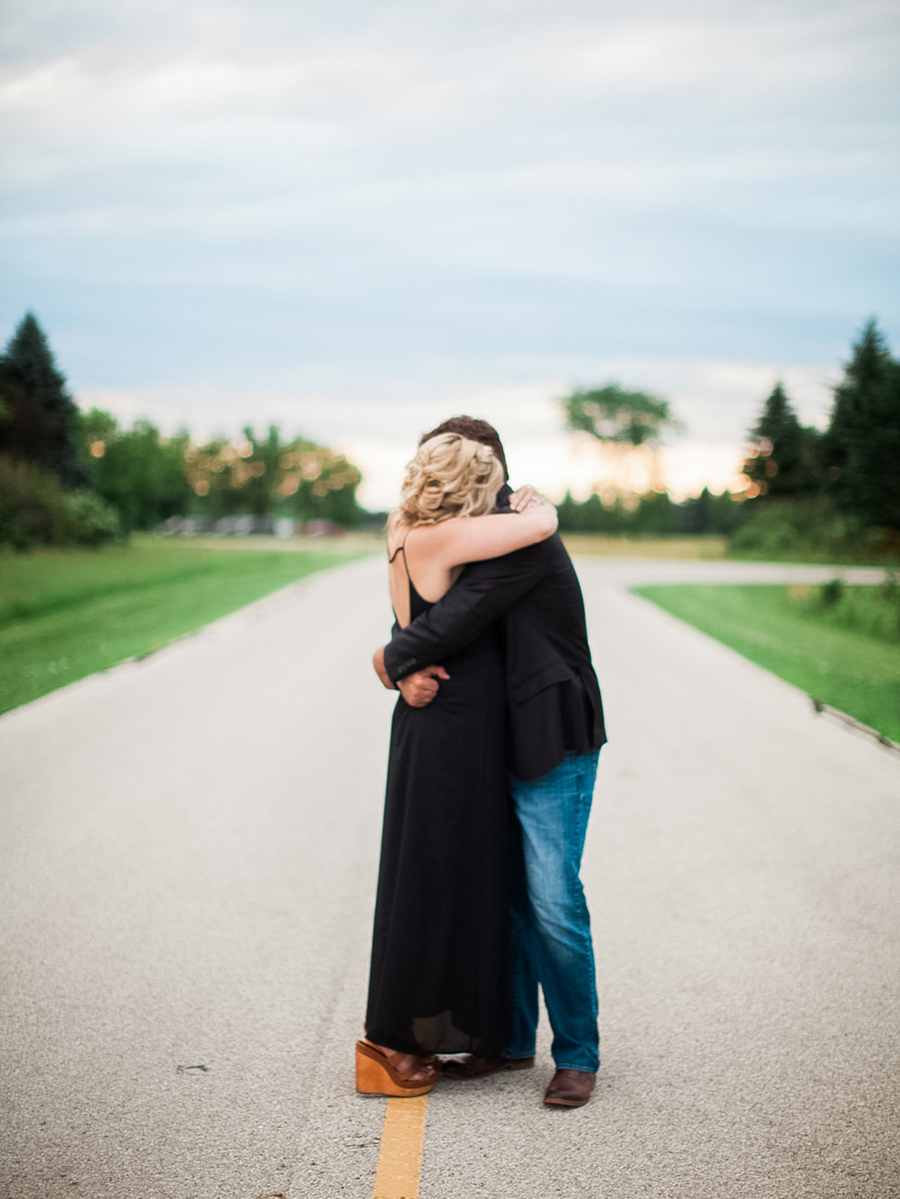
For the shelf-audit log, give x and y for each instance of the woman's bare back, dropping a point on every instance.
(431, 557)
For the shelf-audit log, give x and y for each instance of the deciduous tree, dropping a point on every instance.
(619, 417)
(264, 476)
(630, 424)
(137, 470)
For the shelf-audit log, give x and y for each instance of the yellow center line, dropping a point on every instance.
(400, 1158)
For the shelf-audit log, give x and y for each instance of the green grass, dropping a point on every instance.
(846, 655)
(65, 614)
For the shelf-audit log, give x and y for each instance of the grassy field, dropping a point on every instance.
(65, 614)
(709, 548)
(594, 544)
(846, 653)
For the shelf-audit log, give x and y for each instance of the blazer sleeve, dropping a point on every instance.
(482, 593)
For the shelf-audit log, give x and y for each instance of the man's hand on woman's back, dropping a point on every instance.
(417, 689)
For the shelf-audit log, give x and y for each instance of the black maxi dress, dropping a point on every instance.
(439, 979)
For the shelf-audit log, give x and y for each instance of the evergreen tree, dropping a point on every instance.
(654, 516)
(697, 515)
(39, 418)
(863, 439)
(568, 513)
(783, 460)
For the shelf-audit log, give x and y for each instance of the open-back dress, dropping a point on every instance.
(439, 973)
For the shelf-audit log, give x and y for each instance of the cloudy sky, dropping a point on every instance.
(356, 218)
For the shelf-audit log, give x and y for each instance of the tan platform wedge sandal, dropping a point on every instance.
(381, 1071)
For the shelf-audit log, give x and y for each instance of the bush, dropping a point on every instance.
(89, 520)
(34, 510)
(31, 504)
(890, 588)
(871, 611)
(831, 593)
(810, 528)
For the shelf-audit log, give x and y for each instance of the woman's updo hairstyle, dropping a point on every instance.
(449, 476)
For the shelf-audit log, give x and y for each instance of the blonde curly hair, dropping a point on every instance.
(449, 476)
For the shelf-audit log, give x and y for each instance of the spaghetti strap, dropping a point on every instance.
(417, 604)
(401, 548)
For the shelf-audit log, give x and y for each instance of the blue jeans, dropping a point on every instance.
(551, 928)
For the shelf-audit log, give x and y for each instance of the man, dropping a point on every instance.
(556, 729)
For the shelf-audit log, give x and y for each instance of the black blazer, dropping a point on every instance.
(535, 594)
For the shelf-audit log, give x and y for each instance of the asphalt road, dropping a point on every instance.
(188, 849)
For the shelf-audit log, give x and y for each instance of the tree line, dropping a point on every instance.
(855, 460)
(831, 491)
(835, 491)
(68, 476)
(654, 514)
(627, 423)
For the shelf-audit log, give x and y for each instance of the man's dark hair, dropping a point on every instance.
(475, 430)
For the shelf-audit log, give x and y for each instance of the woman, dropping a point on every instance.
(438, 980)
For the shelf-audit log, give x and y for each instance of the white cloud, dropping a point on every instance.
(353, 201)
